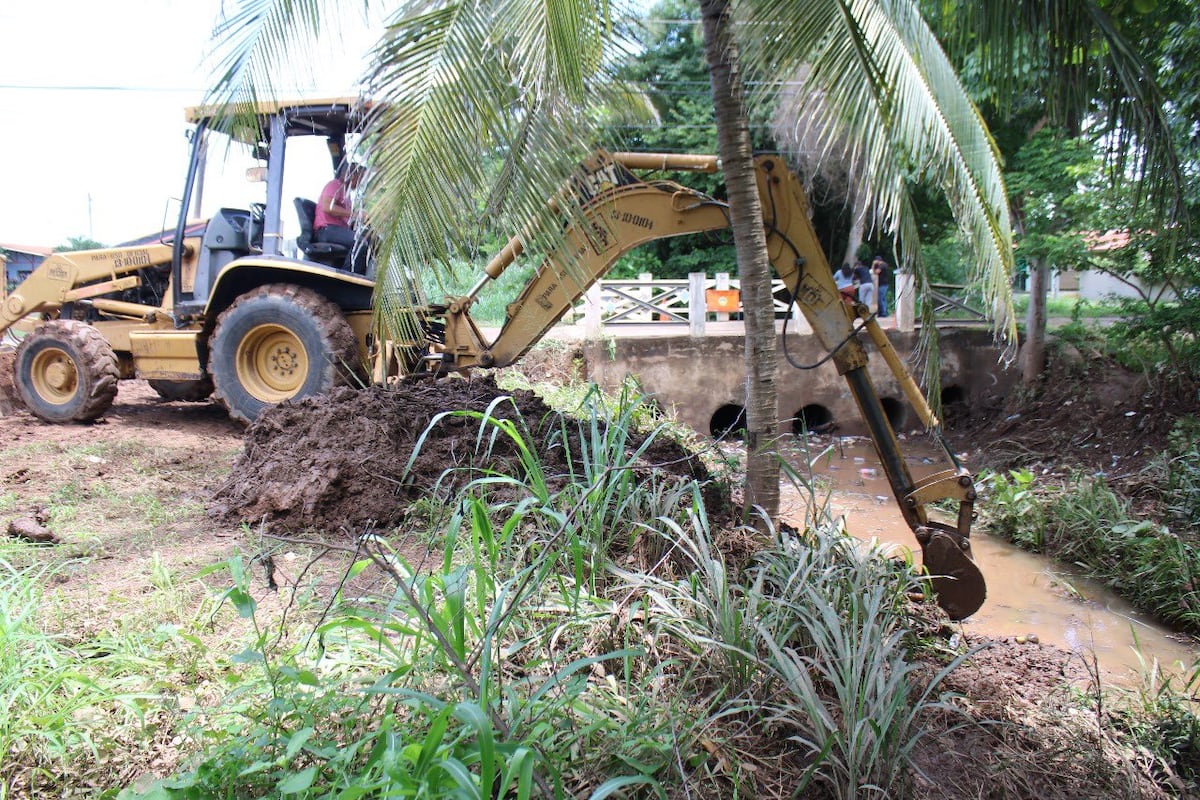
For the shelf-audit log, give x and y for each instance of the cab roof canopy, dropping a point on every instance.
(251, 122)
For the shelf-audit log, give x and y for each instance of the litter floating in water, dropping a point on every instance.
(868, 472)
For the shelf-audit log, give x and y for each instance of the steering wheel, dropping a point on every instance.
(258, 216)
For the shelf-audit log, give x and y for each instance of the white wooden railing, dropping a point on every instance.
(697, 300)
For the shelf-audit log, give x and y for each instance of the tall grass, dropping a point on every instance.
(1088, 524)
(809, 639)
(55, 715)
(835, 641)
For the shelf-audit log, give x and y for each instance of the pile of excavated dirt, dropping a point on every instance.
(1090, 414)
(9, 399)
(356, 457)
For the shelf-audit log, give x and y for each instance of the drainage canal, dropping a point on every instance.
(1027, 593)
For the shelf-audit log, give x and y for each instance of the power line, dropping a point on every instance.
(92, 88)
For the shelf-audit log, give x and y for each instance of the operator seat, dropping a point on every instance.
(322, 252)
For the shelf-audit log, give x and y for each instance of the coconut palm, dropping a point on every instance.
(498, 99)
(1084, 71)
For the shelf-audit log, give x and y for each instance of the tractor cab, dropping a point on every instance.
(267, 163)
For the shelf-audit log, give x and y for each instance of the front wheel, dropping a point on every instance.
(276, 343)
(66, 371)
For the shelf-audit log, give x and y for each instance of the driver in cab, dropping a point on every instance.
(333, 217)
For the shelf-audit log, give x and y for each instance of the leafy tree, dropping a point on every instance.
(1051, 214)
(525, 80)
(1085, 67)
(671, 71)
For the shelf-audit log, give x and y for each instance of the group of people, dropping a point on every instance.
(859, 283)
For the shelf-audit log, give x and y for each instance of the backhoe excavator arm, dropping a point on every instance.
(620, 211)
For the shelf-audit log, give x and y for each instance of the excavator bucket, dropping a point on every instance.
(957, 582)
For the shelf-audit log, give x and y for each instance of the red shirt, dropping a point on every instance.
(334, 190)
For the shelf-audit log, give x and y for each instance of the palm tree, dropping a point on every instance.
(464, 85)
(1085, 72)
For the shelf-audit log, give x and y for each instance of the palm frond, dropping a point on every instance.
(895, 107)
(259, 40)
(482, 111)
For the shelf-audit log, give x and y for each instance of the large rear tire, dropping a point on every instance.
(276, 343)
(66, 372)
(196, 391)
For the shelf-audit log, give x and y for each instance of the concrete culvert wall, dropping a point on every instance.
(895, 411)
(729, 418)
(692, 376)
(814, 418)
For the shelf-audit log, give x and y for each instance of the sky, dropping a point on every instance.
(92, 97)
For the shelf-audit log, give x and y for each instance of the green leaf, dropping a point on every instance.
(247, 656)
(611, 785)
(242, 601)
(296, 741)
(298, 781)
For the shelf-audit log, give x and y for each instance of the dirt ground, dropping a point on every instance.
(1088, 413)
(347, 461)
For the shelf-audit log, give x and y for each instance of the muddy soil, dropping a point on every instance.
(1088, 413)
(361, 457)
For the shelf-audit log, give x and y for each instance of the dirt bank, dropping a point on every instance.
(1087, 413)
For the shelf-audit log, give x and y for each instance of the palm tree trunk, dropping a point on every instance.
(754, 270)
(858, 223)
(1033, 353)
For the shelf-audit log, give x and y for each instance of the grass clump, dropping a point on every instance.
(63, 708)
(1086, 523)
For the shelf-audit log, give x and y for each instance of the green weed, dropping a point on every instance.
(1159, 716)
(1087, 524)
(56, 716)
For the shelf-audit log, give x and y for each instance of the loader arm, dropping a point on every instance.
(620, 211)
(84, 276)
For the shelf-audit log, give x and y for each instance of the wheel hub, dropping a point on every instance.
(272, 363)
(284, 361)
(59, 376)
(53, 375)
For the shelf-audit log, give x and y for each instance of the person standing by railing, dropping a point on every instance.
(883, 275)
(866, 284)
(847, 282)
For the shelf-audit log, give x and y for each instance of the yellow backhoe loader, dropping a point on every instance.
(212, 307)
(215, 307)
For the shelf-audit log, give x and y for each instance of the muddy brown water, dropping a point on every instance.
(1027, 593)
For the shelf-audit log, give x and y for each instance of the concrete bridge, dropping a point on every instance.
(702, 377)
